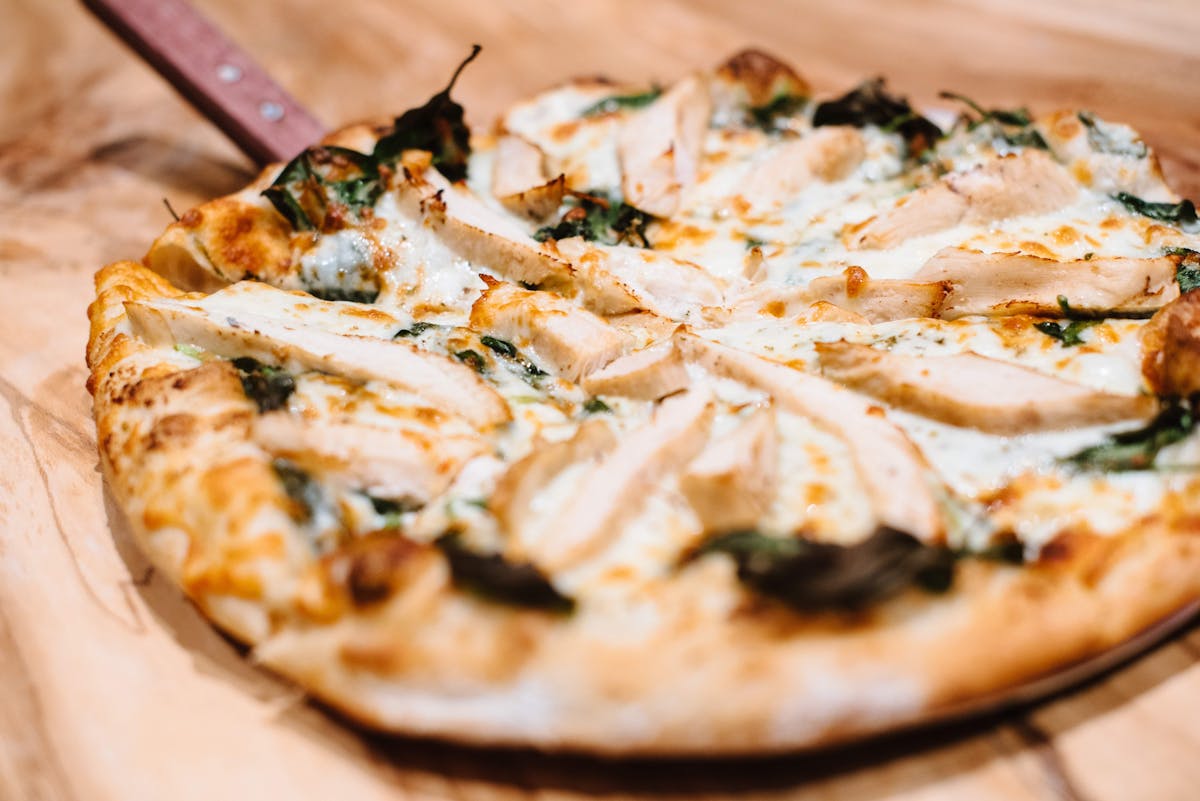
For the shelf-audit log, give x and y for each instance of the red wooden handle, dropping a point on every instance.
(214, 74)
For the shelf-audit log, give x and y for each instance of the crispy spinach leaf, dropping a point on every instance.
(310, 184)
(1181, 214)
(598, 218)
(618, 102)
(492, 576)
(437, 126)
(1137, 449)
(269, 387)
(814, 576)
(869, 104)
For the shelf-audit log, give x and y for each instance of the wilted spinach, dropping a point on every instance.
(1181, 214)
(269, 387)
(813, 576)
(869, 104)
(617, 102)
(491, 576)
(598, 218)
(1137, 449)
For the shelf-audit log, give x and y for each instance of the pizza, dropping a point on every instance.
(712, 418)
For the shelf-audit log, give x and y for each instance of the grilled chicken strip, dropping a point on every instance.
(827, 154)
(731, 483)
(999, 284)
(892, 469)
(647, 374)
(477, 232)
(571, 341)
(442, 382)
(974, 391)
(519, 179)
(512, 498)
(403, 464)
(1029, 182)
(618, 278)
(659, 148)
(616, 488)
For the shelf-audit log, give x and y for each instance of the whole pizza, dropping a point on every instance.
(717, 417)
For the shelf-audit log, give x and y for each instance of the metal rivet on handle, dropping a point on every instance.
(270, 111)
(229, 73)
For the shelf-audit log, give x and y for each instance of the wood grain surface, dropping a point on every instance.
(113, 687)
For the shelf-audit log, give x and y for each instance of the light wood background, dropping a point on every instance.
(112, 687)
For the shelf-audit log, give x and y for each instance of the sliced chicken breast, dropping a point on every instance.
(974, 391)
(401, 464)
(998, 284)
(731, 483)
(616, 488)
(647, 374)
(1029, 182)
(511, 500)
(618, 278)
(893, 471)
(827, 154)
(659, 148)
(442, 382)
(559, 336)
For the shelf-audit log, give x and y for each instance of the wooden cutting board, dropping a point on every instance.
(112, 687)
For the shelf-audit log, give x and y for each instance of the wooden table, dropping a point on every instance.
(112, 687)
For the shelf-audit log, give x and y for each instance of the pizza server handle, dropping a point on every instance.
(215, 75)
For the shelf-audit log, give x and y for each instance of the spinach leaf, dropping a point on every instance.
(814, 576)
(391, 509)
(1104, 138)
(1137, 449)
(618, 102)
(869, 104)
(1018, 117)
(310, 184)
(437, 126)
(598, 218)
(499, 346)
(1187, 271)
(1181, 214)
(1026, 138)
(784, 105)
(509, 351)
(595, 406)
(1069, 334)
(300, 487)
(414, 330)
(1002, 120)
(472, 359)
(269, 387)
(492, 576)
(343, 294)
